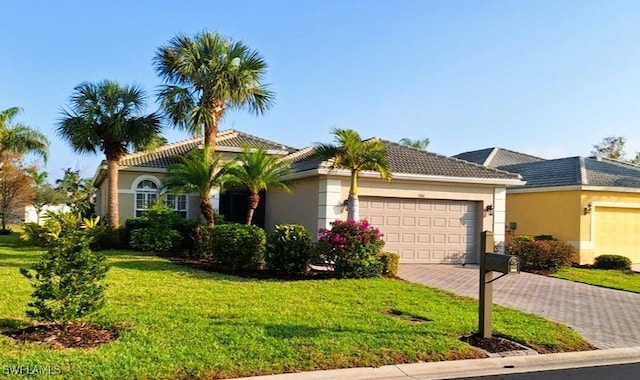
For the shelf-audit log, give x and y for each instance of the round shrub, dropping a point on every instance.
(541, 255)
(612, 262)
(288, 249)
(352, 247)
(239, 246)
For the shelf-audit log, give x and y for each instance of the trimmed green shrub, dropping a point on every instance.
(612, 262)
(155, 239)
(239, 246)
(66, 280)
(541, 255)
(543, 237)
(202, 238)
(390, 262)
(289, 249)
(156, 230)
(352, 247)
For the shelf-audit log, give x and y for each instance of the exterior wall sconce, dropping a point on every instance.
(489, 209)
(588, 209)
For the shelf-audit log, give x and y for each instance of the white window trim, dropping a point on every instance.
(134, 189)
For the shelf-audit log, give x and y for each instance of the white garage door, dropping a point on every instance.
(425, 230)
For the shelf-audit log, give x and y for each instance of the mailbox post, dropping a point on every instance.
(489, 263)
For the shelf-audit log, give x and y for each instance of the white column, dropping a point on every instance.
(499, 216)
(329, 202)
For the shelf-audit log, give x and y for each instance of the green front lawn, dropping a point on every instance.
(615, 279)
(177, 322)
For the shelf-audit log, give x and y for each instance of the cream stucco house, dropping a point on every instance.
(432, 211)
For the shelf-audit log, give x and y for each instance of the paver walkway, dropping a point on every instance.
(607, 318)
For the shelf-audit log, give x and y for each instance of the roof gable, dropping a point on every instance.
(497, 157)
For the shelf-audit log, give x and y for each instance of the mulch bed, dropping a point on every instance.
(76, 335)
(209, 266)
(493, 345)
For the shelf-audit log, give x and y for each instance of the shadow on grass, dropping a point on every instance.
(11, 324)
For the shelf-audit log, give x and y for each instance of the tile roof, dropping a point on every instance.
(408, 160)
(497, 157)
(168, 154)
(572, 171)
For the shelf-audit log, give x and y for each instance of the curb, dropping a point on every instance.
(473, 367)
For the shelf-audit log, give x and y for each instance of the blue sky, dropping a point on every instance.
(549, 78)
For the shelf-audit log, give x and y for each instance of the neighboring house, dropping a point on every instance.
(141, 175)
(592, 203)
(31, 215)
(432, 211)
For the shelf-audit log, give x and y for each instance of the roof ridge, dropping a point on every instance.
(522, 154)
(160, 148)
(299, 152)
(236, 132)
(496, 170)
(583, 179)
(615, 162)
(491, 155)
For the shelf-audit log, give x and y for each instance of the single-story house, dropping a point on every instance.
(432, 211)
(592, 203)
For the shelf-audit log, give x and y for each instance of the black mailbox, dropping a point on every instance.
(495, 262)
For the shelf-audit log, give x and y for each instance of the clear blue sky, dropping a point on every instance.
(549, 78)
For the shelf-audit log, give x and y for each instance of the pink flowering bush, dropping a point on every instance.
(352, 247)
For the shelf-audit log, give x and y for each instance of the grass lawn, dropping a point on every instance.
(176, 322)
(615, 279)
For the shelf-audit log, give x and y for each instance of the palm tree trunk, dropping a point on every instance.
(254, 200)
(112, 173)
(211, 129)
(353, 204)
(353, 208)
(206, 208)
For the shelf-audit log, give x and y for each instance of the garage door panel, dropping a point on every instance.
(424, 230)
(617, 232)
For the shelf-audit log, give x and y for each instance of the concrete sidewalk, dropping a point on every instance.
(607, 318)
(475, 367)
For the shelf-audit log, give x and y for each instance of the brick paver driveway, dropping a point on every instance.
(607, 318)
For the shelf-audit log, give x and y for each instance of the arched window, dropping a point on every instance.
(146, 194)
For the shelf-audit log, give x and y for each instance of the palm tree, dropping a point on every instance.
(106, 116)
(197, 173)
(419, 144)
(255, 170)
(204, 76)
(19, 138)
(351, 153)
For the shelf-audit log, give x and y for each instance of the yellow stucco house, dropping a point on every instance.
(592, 203)
(431, 212)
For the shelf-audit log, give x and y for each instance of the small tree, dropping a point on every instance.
(419, 144)
(43, 193)
(256, 170)
(66, 280)
(610, 147)
(15, 189)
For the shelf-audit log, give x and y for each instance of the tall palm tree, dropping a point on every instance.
(19, 138)
(197, 173)
(107, 116)
(351, 153)
(255, 170)
(419, 144)
(204, 76)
